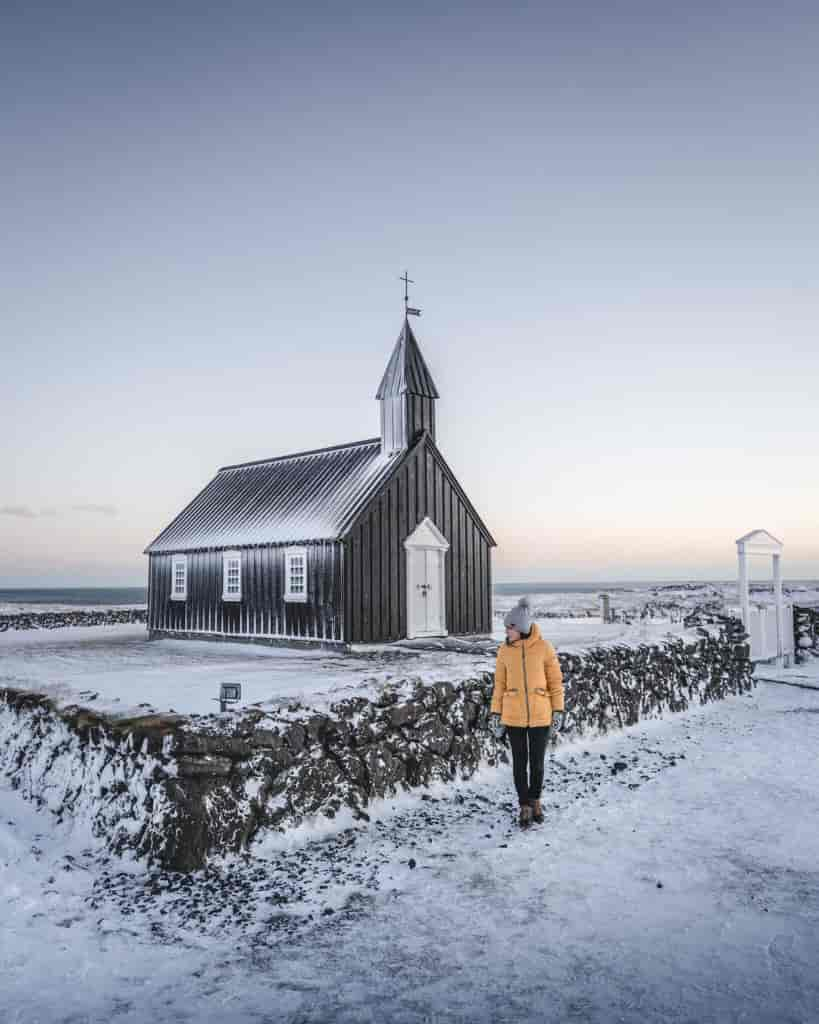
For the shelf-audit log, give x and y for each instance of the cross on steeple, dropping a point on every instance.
(408, 310)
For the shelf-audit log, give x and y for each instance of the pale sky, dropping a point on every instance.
(611, 213)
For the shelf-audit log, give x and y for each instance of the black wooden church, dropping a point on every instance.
(359, 543)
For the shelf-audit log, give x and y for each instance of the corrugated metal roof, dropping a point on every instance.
(406, 371)
(292, 498)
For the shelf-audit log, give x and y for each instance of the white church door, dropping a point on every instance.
(426, 549)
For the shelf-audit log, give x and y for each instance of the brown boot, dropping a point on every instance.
(525, 819)
(537, 811)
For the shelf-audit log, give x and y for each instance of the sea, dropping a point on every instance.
(80, 596)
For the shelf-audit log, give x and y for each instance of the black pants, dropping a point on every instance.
(528, 746)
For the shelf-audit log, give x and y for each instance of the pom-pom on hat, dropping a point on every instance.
(519, 617)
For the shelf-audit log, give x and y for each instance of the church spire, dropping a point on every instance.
(407, 394)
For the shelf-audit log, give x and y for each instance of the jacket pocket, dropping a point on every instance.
(541, 702)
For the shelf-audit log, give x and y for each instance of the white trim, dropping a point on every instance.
(489, 551)
(252, 636)
(297, 596)
(427, 535)
(760, 542)
(341, 571)
(179, 595)
(227, 558)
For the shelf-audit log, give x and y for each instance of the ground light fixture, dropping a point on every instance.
(229, 693)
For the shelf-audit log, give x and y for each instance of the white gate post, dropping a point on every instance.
(780, 610)
(744, 602)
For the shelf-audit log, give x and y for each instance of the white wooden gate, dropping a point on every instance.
(762, 631)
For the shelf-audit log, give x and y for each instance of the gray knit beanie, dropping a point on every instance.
(519, 617)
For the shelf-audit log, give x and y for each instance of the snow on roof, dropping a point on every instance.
(292, 498)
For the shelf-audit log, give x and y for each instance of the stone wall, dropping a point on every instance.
(805, 632)
(176, 790)
(80, 617)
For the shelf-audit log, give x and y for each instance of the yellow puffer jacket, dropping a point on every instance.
(528, 681)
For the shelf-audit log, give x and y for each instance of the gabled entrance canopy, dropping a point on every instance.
(427, 535)
(760, 542)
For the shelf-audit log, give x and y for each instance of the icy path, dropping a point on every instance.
(720, 806)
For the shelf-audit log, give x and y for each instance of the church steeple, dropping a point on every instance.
(407, 395)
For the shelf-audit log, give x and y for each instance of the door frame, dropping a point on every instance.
(425, 537)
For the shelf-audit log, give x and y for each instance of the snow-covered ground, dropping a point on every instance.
(116, 669)
(684, 888)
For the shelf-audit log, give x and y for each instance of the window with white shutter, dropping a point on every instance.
(232, 576)
(179, 578)
(295, 574)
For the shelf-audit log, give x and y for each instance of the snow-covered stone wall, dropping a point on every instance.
(76, 764)
(177, 789)
(79, 617)
(805, 632)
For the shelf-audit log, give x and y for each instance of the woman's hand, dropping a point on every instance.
(557, 720)
(497, 727)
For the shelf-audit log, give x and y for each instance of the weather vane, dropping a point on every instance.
(408, 310)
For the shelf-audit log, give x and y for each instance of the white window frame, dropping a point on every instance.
(179, 595)
(289, 594)
(227, 558)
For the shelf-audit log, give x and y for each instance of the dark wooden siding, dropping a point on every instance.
(375, 597)
(262, 612)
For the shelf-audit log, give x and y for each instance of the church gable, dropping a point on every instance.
(424, 459)
(420, 485)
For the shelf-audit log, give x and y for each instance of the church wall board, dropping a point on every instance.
(262, 611)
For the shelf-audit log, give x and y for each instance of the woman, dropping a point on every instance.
(528, 700)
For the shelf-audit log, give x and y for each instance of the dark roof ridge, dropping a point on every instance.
(299, 455)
